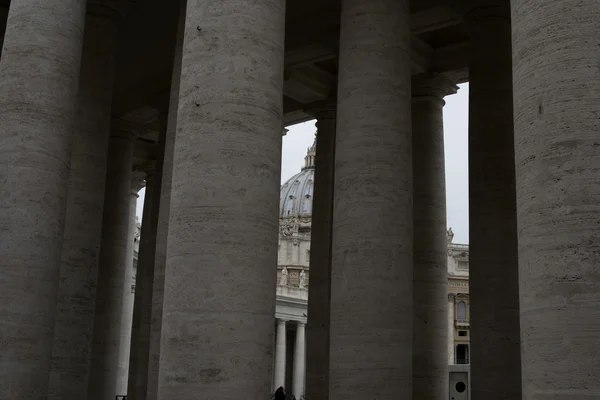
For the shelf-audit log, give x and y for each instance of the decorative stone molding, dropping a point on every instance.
(432, 86)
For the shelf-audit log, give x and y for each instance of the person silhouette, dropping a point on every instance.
(280, 393)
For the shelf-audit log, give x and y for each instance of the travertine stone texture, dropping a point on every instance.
(280, 353)
(219, 296)
(317, 329)
(493, 259)
(163, 218)
(557, 141)
(430, 290)
(299, 361)
(372, 270)
(40, 73)
(112, 269)
(83, 225)
(137, 183)
(138, 353)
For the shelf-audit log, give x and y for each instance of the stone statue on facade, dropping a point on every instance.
(450, 235)
(302, 282)
(283, 280)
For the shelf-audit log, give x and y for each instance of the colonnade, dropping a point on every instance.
(205, 319)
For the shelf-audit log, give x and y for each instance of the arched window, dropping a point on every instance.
(461, 311)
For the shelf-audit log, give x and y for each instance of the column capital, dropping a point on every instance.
(432, 85)
(123, 129)
(149, 169)
(138, 179)
(281, 321)
(324, 112)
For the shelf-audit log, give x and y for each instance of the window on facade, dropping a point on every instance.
(463, 265)
(461, 311)
(462, 354)
(462, 333)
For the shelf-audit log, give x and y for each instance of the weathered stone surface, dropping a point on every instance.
(163, 217)
(105, 380)
(372, 270)
(557, 142)
(39, 73)
(219, 301)
(430, 280)
(83, 225)
(317, 329)
(493, 270)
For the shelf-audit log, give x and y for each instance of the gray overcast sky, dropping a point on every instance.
(301, 136)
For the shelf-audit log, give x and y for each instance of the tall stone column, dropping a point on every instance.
(280, 352)
(451, 299)
(299, 361)
(83, 225)
(163, 216)
(219, 302)
(557, 141)
(430, 290)
(493, 263)
(319, 297)
(372, 273)
(137, 373)
(112, 271)
(37, 115)
(137, 183)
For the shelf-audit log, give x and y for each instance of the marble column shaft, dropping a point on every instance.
(450, 339)
(557, 142)
(219, 302)
(430, 290)
(112, 269)
(83, 224)
(280, 353)
(37, 115)
(299, 361)
(138, 354)
(163, 217)
(137, 183)
(317, 329)
(372, 269)
(493, 258)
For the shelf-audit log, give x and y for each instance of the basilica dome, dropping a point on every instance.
(296, 194)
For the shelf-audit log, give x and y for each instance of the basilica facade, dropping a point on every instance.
(293, 287)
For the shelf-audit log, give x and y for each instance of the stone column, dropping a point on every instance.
(319, 296)
(37, 115)
(218, 302)
(450, 339)
(280, 352)
(493, 263)
(430, 291)
(372, 247)
(163, 217)
(299, 361)
(83, 224)
(137, 373)
(557, 142)
(112, 271)
(137, 183)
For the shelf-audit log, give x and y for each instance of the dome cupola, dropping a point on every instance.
(296, 194)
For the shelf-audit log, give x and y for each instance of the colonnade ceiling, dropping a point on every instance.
(145, 60)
